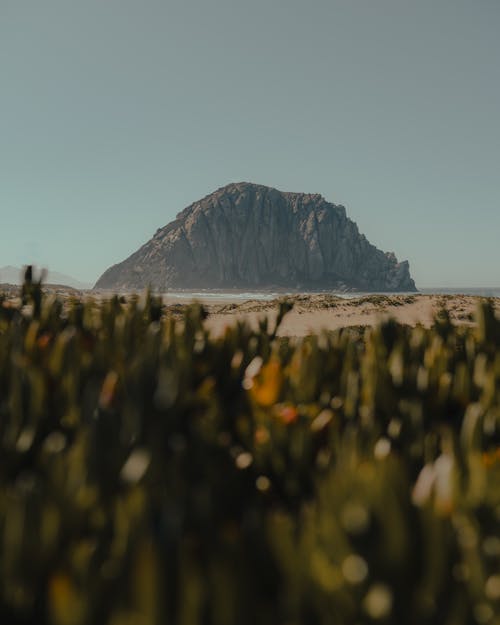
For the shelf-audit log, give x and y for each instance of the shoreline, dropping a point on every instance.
(311, 313)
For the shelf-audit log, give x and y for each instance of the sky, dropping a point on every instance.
(116, 114)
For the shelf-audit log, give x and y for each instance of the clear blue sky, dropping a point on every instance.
(116, 114)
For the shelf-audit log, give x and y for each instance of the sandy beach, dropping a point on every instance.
(313, 313)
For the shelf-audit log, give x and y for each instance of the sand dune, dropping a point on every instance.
(313, 313)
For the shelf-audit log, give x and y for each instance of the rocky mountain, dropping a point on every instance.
(251, 236)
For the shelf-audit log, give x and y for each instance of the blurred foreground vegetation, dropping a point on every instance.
(153, 475)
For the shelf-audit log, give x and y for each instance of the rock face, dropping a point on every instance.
(254, 237)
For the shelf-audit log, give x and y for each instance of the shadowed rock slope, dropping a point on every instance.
(250, 236)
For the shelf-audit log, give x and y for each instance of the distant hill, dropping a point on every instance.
(15, 275)
(251, 236)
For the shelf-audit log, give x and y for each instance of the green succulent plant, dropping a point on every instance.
(152, 474)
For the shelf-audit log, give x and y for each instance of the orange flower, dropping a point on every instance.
(287, 413)
(266, 388)
(44, 340)
(491, 457)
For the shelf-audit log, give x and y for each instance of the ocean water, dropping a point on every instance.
(218, 295)
(268, 296)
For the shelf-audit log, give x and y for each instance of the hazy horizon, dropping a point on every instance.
(115, 116)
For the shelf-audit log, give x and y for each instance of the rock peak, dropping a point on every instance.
(246, 235)
(242, 187)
